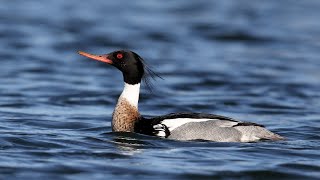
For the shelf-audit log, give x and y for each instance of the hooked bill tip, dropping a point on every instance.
(81, 52)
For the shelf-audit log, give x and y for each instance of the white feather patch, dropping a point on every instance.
(131, 93)
(175, 123)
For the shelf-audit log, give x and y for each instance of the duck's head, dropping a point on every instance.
(129, 63)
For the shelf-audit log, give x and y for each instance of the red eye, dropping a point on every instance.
(119, 56)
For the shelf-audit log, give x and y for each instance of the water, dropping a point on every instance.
(250, 60)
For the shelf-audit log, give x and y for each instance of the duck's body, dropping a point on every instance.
(178, 126)
(192, 126)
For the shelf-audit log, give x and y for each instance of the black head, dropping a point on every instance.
(129, 63)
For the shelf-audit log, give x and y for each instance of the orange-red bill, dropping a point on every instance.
(102, 58)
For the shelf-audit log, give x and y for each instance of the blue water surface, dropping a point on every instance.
(256, 61)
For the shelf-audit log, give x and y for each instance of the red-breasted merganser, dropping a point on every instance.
(178, 126)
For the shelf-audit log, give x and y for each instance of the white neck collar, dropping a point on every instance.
(131, 93)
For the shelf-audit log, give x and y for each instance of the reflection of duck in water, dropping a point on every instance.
(128, 143)
(179, 126)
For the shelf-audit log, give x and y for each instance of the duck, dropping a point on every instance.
(182, 126)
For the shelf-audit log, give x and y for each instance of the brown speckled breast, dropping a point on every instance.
(124, 116)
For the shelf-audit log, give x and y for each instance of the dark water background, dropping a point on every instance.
(250, 60)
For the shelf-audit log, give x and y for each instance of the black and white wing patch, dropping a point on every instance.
(161, 130)
(153, 128)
